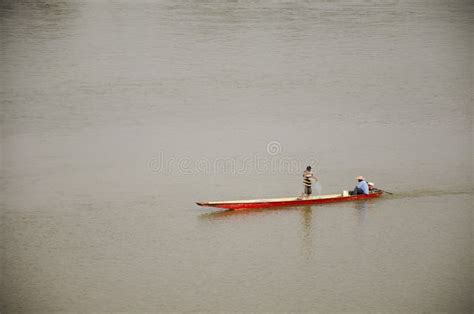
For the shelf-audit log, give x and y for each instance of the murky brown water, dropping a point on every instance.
(118, 115)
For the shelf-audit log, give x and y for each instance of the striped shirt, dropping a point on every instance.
(307, 175)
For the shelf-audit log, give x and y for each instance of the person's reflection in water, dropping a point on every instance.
(362, 209)
(307, 230)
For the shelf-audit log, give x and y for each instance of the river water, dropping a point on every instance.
(116, 116)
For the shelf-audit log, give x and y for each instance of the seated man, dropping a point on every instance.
(361, 187)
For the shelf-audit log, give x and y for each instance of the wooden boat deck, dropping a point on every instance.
(269, 200)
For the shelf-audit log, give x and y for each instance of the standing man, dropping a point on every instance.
(308, 178)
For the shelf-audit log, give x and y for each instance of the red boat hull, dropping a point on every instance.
(293, 202)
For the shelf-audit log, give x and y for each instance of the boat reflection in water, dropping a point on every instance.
(223, 214)
(313, 221)
(306, 220)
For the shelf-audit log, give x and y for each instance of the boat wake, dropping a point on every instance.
(425, 193)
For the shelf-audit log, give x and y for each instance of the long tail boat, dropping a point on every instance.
(290, 201)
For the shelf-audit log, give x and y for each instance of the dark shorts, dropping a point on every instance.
(357, 191)
(307, 190)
